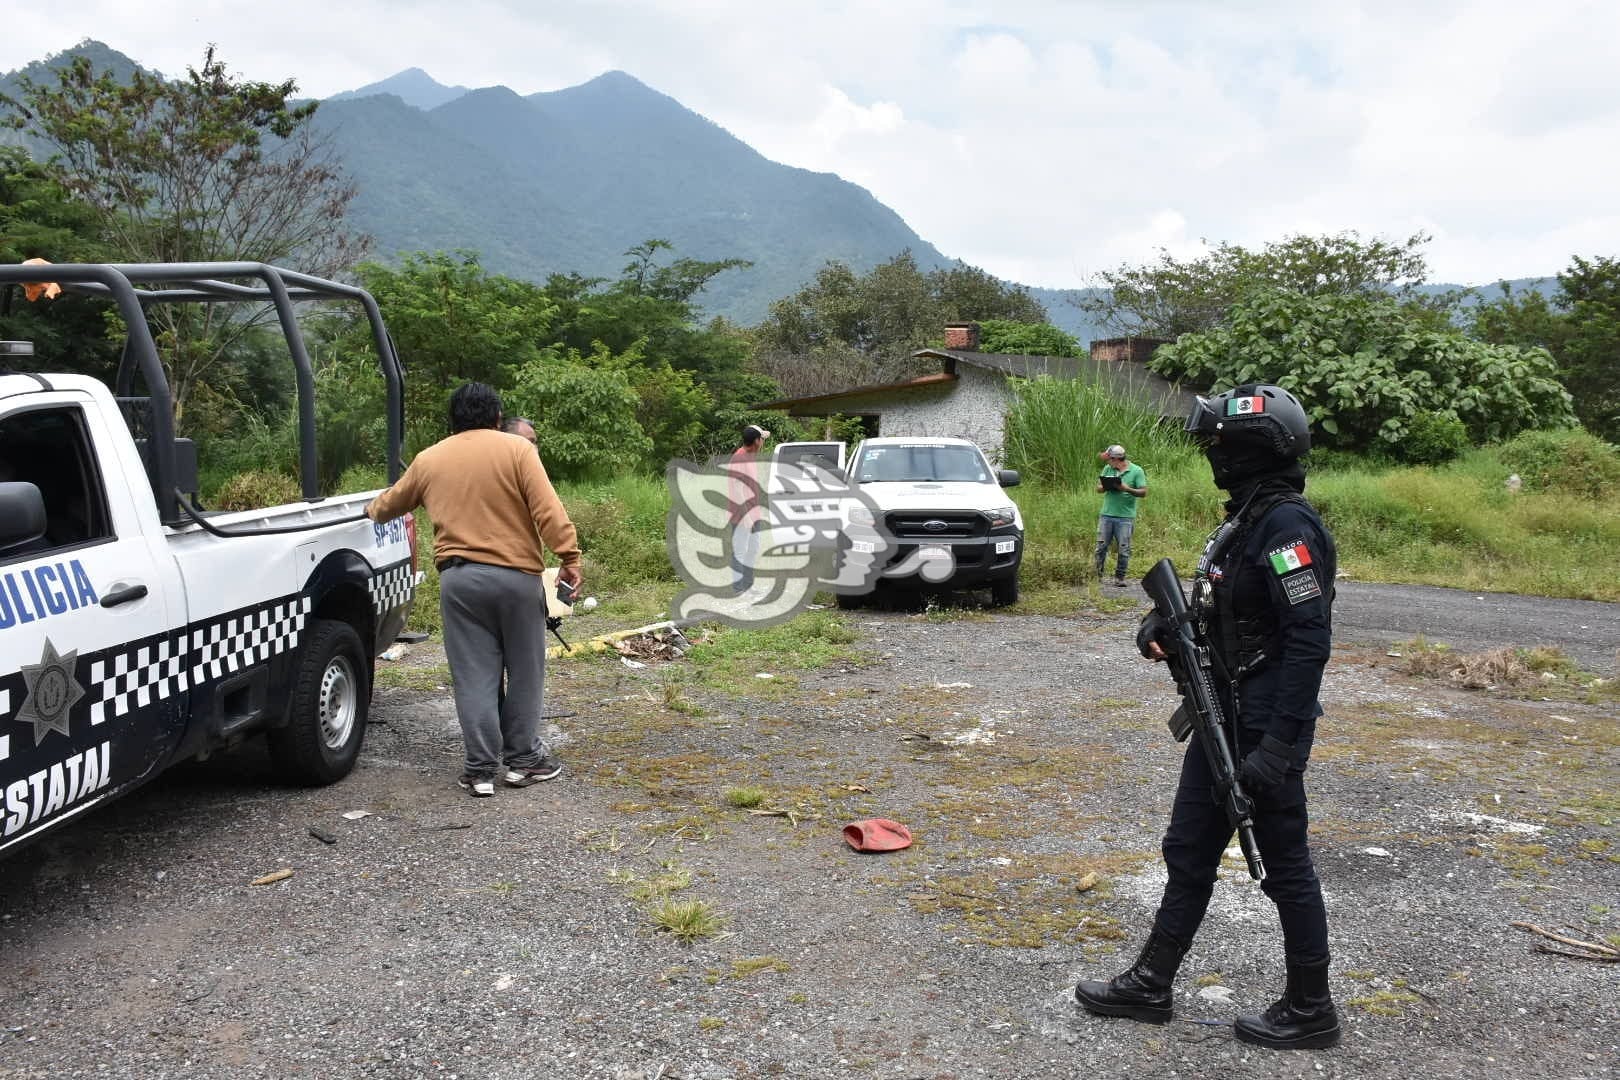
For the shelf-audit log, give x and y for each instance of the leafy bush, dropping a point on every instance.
(1569, 460)
(257, 489)
(1026, 339)
(1433, 438)
(585, 417)
(1365, 366)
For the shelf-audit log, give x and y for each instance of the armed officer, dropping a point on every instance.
(1262, 598)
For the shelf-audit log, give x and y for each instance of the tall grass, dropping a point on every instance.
(1457, 525)
(1057, 428)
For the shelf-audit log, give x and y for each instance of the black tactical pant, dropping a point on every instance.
(1198, 835)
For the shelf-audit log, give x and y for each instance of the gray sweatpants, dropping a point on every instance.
(495, 624)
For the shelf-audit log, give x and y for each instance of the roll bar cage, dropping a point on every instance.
(134, 287)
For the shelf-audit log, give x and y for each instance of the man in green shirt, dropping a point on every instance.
(1120, 484)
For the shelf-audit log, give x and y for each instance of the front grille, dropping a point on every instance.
(944, 525)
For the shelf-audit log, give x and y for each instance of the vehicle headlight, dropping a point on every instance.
(861, 515)
(1002, 516)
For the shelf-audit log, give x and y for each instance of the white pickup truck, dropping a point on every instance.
(138, 630)
(943, 512)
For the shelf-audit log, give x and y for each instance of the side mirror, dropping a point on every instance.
(1007, 477)
(22, 517)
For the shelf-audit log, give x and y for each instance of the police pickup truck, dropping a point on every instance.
(137, 629)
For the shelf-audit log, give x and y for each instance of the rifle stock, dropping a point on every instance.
(1201, 706)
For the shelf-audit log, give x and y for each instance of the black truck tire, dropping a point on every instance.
(328, 708)
(1004, 591)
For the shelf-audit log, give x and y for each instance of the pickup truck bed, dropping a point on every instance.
(137, 631)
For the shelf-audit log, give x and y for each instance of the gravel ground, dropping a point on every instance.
(511, 937)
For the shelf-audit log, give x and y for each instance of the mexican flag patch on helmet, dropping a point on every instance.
(1245, 406)
(1290, 557)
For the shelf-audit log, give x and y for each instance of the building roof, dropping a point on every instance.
(1122, 378)
(934, 378)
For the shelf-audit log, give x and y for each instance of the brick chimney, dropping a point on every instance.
(963, 336)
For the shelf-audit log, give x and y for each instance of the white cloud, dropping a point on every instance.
(1039, 139)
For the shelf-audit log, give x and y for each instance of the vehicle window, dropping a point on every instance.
(50, 449)
(939, 464)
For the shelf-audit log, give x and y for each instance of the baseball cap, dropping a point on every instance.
(1115, 451)
(877, 834)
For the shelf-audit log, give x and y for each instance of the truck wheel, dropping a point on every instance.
(326, 714)
(1004, 591)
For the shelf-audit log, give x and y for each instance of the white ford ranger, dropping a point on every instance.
(951, 523)
(138, 630)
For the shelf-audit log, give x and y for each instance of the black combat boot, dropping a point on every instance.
(1142, 991)
(1302, 1019)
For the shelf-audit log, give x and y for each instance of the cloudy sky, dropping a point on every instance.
(1042, 140)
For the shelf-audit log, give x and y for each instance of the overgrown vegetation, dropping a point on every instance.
(1461, 524)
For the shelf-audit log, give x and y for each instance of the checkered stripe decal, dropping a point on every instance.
(390, 588)
(228, 645)
(135, 676)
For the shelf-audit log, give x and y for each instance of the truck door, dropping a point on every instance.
(92, 665)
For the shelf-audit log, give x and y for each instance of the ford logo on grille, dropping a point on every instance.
(935, 525)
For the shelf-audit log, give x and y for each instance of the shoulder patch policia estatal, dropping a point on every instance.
(1292, 563)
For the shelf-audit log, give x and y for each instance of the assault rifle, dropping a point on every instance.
(1200, 710)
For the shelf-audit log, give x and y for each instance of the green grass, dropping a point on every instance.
(686, 920)
(732, 658)
(745, 798)
(1456, 525)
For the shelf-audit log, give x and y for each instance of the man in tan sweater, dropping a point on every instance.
(492, 507)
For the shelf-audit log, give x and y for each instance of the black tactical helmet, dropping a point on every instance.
(1256, 415)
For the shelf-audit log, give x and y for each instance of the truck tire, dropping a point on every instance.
(326, 714)
(1004, 591)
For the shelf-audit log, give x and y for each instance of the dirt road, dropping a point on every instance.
(511, 937)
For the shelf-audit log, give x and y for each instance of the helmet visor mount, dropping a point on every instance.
(1203, 423)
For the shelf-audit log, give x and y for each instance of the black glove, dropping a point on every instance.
(1155, 627)
(1266, 765)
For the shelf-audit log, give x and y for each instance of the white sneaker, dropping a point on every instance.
(479, 787)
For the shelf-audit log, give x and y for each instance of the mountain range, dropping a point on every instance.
(569, 180)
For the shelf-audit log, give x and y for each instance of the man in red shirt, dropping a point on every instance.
(747, 497)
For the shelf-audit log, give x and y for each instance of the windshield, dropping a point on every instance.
(920, 462)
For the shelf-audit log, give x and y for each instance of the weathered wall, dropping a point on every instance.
(974, 407)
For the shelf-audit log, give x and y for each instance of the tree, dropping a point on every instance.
(971, 293)
(41, 219)
(1370, 371)
(451, 322)
(1580, 327)
(1026, 339)
(1172, 297)
(651, 310)
(199, 169)
(845, 329)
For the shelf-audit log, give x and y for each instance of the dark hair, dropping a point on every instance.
(474, 405)
(752, 434)
(510, 425)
